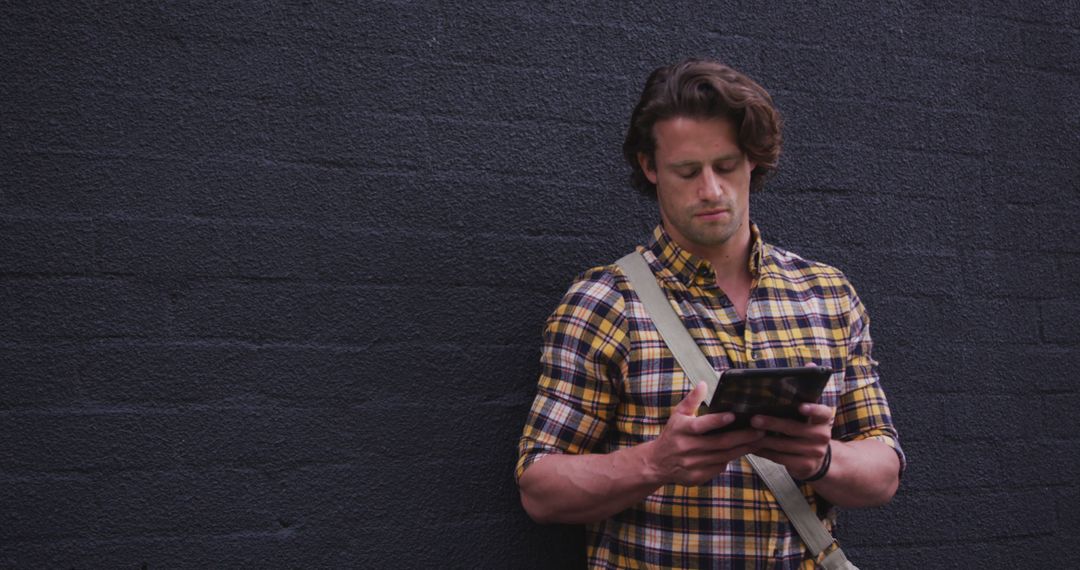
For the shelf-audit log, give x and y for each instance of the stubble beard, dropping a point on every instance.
(710, 234)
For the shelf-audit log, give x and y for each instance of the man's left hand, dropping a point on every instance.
(798, 445)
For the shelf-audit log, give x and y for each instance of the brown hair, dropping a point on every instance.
(705, 89)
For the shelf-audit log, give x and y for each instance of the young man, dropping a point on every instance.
(613, 439)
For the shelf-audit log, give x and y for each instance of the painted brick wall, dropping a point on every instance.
(273, 274)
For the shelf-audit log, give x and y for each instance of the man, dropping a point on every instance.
(613, 439)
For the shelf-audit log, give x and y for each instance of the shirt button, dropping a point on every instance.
(753, 355)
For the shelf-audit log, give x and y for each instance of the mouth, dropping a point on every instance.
(712, 214)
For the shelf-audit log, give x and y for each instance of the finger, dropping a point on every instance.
(689, 404)
(792, 446)
(792, 428)
(714, 459)
(733, 439)
(702, 425)
(817, 413)
(798, 466)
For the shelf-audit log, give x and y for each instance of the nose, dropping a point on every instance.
(711, 188)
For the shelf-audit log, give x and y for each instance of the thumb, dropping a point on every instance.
(689, 404)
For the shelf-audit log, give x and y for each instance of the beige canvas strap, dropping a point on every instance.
(697, 368)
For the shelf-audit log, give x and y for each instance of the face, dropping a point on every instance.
(702, 182)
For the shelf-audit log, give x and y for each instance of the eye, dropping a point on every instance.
(687, 174)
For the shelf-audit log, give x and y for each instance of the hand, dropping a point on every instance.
(685, 453)
(797, 445)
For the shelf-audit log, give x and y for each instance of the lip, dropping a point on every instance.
(712, 214)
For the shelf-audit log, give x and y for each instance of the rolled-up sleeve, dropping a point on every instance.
(863, 411)
(582, 363)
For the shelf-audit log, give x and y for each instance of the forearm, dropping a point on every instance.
(864, 473)
(575, 489)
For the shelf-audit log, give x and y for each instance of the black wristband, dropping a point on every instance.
(824, 470)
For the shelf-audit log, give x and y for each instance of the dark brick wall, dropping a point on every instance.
(273, 274)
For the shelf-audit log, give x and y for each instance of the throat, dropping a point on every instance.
(737, 291)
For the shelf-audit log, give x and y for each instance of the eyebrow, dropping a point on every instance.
(695, 163)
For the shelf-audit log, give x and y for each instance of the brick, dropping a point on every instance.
(847, 26)
(971, 368)
(1041, 551)
(995, 418)
(359, 315)
(1013, 136)
(928, 32)
(1033, 461)
(895, 126)
(139, 504)
(52, 182)
(1068, 519)
(229, 249)
(916, 370)
(991, 321)
(80, 308)
(853, 223)
(1059, 418)
(324, 545)
(171, 374)
(1008, 274)
(817, 70)
(1026, 228)
(46, 246)
(988, 515)
(1060, 322)
(112, 439)
(873, 172)
(1045, 12)
(930, 273)
(940, 465)
(1051, 369)
(896, 318)
(928, 81)
(1034, 46)
(1068, 271)
(917, 417)
(132, 189)
(211, 130)
(36, 376)
(1027, 92)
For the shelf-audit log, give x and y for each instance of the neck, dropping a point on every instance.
(730, 260)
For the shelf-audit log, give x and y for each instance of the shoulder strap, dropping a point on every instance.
(698, 369)
(674, 333)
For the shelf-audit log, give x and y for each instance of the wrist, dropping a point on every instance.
(822, 471)
(645, 465)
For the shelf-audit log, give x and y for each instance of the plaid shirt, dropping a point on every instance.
(609, 382)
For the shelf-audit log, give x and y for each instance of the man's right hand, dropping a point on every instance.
(590, 487)
(686, 453)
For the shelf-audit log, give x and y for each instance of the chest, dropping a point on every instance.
(781, 328)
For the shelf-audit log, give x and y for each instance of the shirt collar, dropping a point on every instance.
(693, 270)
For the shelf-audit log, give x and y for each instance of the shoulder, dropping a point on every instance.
(598, 289)
(796, 277)
(591, 319)
(799, 270)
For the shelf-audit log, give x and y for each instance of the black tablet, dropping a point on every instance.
(774, 392)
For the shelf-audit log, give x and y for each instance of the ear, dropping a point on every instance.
(647, 166)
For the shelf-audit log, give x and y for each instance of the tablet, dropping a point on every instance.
(774, 392)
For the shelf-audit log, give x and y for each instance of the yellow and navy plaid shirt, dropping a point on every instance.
(609, 382)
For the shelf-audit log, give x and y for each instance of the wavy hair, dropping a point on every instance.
(705, 89)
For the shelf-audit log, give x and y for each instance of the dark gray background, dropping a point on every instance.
(274, 274)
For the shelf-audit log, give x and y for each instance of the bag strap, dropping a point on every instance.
(697, 368)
